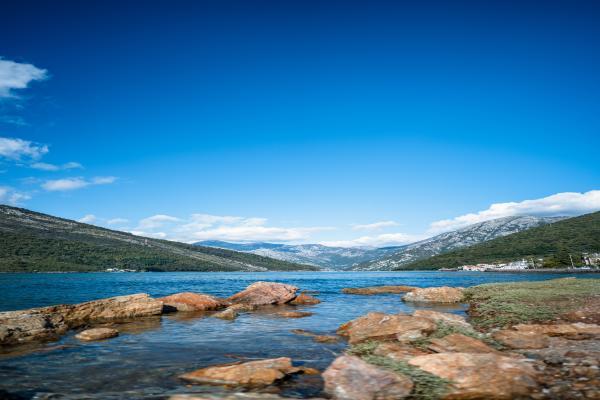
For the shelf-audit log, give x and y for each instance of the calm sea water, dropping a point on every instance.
(145, 360)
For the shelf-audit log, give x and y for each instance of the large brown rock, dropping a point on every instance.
(187, 301)
(575, 331)
(111, 309)
(480, 376)
(18, 327)
(97, 334)
(442, 294)
(397, 351)
(444, 318)
(378, 326)
(521, 339)
(264, 293)
(305, 299)
(371, 290)
(458, 343)
(49, 322)
(252, 373)
(350, 378)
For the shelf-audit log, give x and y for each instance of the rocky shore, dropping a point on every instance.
(526, 340)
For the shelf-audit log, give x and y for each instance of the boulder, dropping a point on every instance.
(458, 343)
(232, 312)
(111, 309)
(97, 334)
(193, 302)
(18, 327)
(371, 290)
(444, 318)
(294, 314)
(48, 323)
(230, 396)
(480, 376)
(350, 378)
(443, 294)
(577, 330)
(379, 326)
(305, 299)
(251, 373)
(397, 351)
(264, 293)
(521, 339)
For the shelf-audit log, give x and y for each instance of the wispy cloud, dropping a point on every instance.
(66, 184)
(18, 149)
(117, 221)
(374, 226)
(53, 167)
(155, 221)
(386, 239)
(9, 195)
(14, 76)
(567, 203)
(88, 219)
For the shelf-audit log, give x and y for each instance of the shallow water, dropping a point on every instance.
(145, 360)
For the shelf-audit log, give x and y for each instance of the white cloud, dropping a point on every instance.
(217, 227)
(88, 219)
(374, 226)
(117, 221)
(387, 239)
(559, 204)
(66, 184)
(11, 196)
(14, 75)
(155, 221)
(17, 149)
(53, 167)
(103, 180)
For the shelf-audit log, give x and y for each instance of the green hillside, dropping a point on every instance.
(553, 242)
(31, 241)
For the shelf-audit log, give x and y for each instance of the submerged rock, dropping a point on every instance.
(232, 312)
(444, 318)
(458, 343)
(350, 378)
(442, 294)
(187, 301)
(251, 373)
(50, 322)
(521, 339)
(371, 290)
(294, 314)
(379, 326)
(480, 376)
(265, 293)
(97, 334)
(317, 337)
(305, 299)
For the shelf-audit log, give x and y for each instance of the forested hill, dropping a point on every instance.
(552, 242)
(31, 241)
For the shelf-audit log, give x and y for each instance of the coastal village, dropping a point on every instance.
(589, 260)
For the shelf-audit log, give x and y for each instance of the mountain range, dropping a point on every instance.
(465, 237)
(31, 241)
(560, 244)
(386, 258)
(326, 257)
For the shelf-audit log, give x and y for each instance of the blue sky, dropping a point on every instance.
(353, 123)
